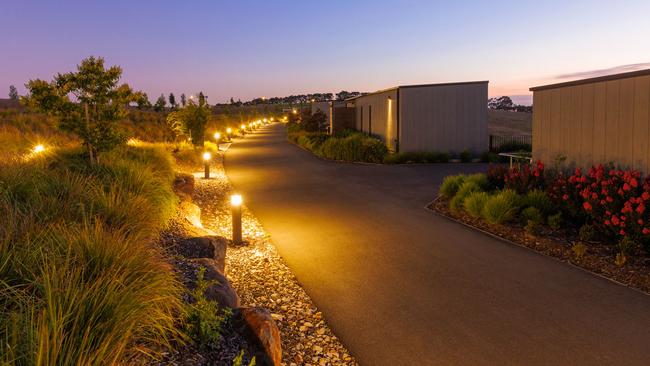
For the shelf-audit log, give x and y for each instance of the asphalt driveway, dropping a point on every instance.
(402, 286)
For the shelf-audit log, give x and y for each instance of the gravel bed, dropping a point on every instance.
(261, 278)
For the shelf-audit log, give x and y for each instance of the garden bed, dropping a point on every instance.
(533, 220)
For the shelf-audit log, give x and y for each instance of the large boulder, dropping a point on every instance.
(261, 329)
(212, 247)
(219, 290)
(184, 183)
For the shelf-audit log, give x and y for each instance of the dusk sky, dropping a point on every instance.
(247, 49)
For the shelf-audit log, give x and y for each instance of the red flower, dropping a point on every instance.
(565, 197)
(640, 208)
(645, 196)
(645, 231)
(626, 187)
(587, 206)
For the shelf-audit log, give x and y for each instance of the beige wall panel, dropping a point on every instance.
(444, 118)
(612, 120)
(641, 123)
(600, 122)
(604, 121)
(537, 121)
(626, 123)
(587, 124)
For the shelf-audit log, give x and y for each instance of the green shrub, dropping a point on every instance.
(417, 157)
(204, 318)
(501, 207)
(480, 179)
(451, 184)
(474, 203)
(532, 227)
(532, 214)
(355, 147)
(465, 190)
(587, 232)
(555, 221)
(538, 199)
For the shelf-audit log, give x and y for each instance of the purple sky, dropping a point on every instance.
(247, 49)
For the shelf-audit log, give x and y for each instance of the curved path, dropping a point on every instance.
(403, 286)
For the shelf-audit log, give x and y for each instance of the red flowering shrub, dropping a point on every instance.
(614, 201)
(525, 177)
(496, 176)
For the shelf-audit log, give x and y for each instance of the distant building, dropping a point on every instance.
(594, 121)
(449, 117)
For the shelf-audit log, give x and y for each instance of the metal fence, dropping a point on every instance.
(501, 143)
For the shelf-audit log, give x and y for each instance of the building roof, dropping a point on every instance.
(624, 75)
(419, 86)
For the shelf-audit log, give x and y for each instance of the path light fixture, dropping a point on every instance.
(228, 132)
(217, 136)
(236, 201)
(206, 159)
(243, 127)
(38, 149)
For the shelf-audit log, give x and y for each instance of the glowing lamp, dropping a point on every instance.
(206, 159)
(236, 200)
(217, 135)
(235, 203)
(243, 126)
(229, 130)
(38, 148)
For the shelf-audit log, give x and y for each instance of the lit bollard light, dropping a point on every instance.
(206, 158)
(236, 202)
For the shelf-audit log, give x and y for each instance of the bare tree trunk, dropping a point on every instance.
(91, 155)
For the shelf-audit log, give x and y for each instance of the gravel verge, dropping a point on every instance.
(261, 278)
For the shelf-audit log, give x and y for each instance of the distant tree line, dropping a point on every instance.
(504, 103)
(298, 99)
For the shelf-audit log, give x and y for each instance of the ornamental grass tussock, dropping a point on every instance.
(83, 282)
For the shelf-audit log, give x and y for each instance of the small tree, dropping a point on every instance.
(13, 92)
(502, 103)
(98, 103)
(142, 100)
(183, 100)
(172, 100)
(196, 118)
(160, 104)
(176, 124)
(316, 122)
(202, 99)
